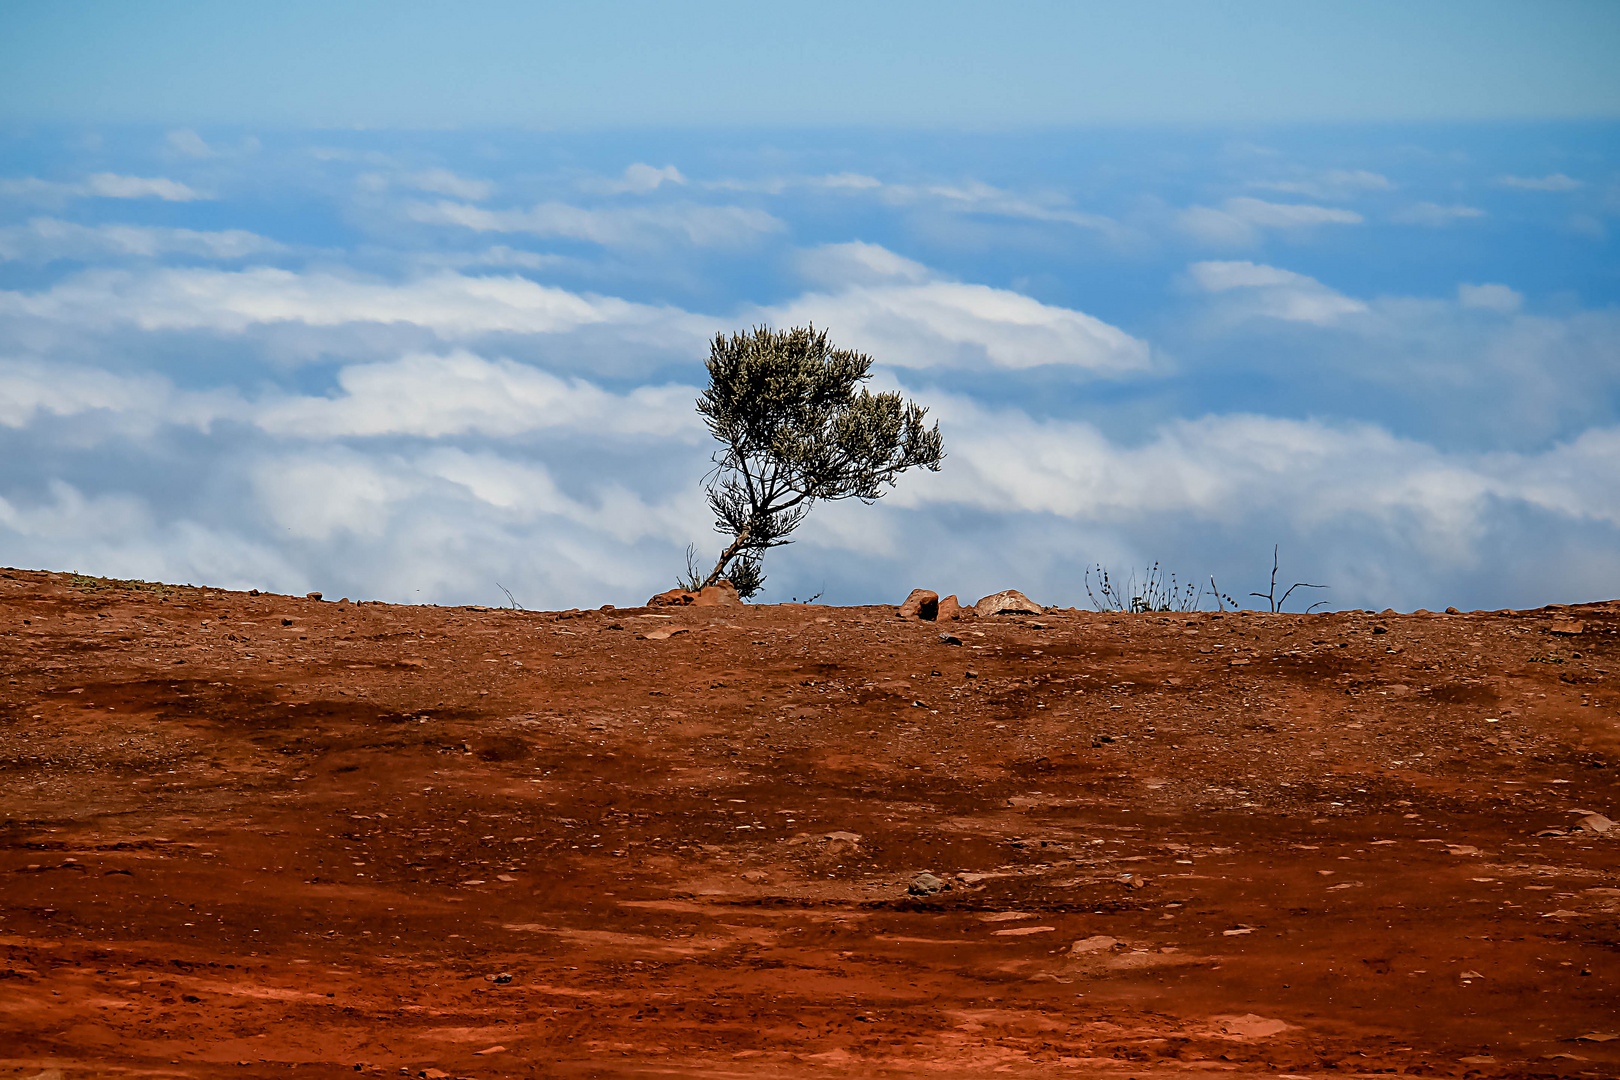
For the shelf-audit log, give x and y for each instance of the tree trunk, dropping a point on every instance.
(725, 557)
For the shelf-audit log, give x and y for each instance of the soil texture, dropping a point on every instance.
(264, 836)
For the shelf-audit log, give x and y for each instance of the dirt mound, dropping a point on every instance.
(267, 836)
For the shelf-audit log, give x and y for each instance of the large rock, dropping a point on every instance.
(1008, 602)
(721, 594)
(921, 604)
(926, 884)
(950, 608)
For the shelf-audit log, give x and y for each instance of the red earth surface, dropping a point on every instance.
(262, 836)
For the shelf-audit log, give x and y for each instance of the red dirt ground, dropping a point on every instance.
(259, 836)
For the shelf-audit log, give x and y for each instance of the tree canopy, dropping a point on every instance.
(796, 428)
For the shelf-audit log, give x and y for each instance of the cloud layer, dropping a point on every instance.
(402, 369)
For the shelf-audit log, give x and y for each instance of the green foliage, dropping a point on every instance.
(746, 574)
(794, 430)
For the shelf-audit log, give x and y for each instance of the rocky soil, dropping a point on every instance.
(262, 836)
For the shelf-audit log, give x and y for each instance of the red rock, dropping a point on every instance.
(951, 608)
(921, 604)
(721, 594)
(1010, 601)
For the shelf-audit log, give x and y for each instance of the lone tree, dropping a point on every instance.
(794, 431)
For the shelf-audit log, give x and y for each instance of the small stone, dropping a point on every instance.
(1452, 611)
(500, 978)
(1009, 601)
(492, 1050)
(1020, 931)
(756, 877)
(1595, 823)
(1251, 1026)
(312, 596)
(925, 885)
(949, 639)
(921, 604)
(1095, 943)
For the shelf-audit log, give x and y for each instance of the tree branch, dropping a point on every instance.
(725, 557)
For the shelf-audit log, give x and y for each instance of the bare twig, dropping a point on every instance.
(1271, 597)
(692, 580)
(509, 597)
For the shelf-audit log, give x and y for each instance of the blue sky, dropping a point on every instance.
(942, 64)
(400, 306)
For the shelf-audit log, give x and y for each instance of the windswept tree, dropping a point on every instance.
(796, 428)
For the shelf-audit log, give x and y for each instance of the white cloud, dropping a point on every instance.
(318, 496)
(947, 324)
(638, 179)
(448, 524)
(419, 395)
(100, 185)
(45, 239)
(1587, 225)
(187, 143)
(858, 263)
(445, 182)
(525, 491)
(969, 197)
(451, 305)
(1228, 469)
(1435, 215)
(118, 535)
(1552, 182)
(780, 185)
(436, 396)
(498, 256)
(700, 226)
(345, 154)
(1330, 184)
(974, 197)
(124, 404)
(1490, 298)
(1269, 292)
(1239, 221)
